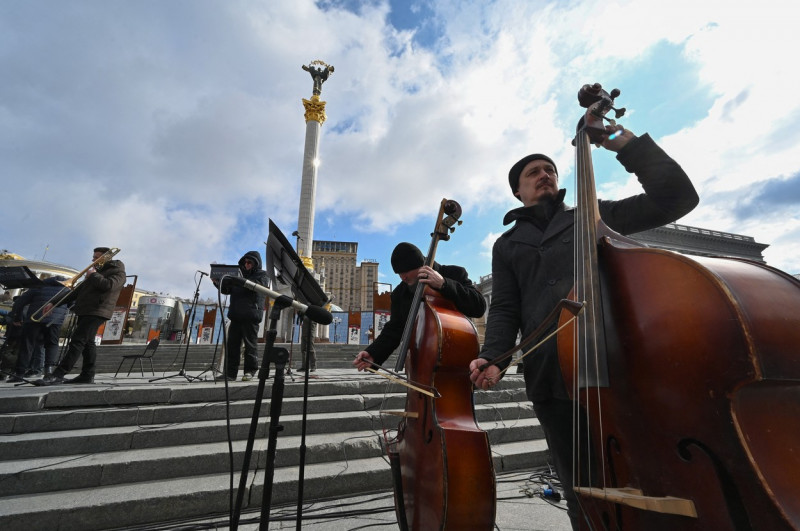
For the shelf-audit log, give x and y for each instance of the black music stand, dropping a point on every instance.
(185, 333)
(283, 267)
(13, 277)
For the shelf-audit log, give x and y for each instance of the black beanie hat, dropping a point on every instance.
(406, 257)
(516, 169)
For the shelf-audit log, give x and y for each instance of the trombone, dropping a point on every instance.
(71, 284)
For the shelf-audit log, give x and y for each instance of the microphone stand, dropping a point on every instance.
(279, 356)
(186, 328)
(306, 363)
(291, 346)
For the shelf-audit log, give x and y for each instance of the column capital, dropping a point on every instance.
(315, 109)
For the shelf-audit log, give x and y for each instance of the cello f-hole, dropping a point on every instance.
(733, 500)
(612, 444)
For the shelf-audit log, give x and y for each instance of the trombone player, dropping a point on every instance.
(93, 301)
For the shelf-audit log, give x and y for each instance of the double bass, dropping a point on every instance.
(441, 460)
(688, 370)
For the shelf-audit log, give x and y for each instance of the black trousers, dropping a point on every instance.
(556, 418)
(36, 336)
(82, 344)
(238, 332)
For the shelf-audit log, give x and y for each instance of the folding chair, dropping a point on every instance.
(148, 353)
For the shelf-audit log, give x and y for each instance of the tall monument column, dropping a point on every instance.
(315, 117)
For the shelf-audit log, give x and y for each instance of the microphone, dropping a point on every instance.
(202, 273)
(315, 313)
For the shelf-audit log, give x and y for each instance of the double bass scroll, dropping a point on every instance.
(446, 221)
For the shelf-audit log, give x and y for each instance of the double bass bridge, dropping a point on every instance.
(636, 498)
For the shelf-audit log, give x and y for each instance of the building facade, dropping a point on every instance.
(351, 285)
(702, 242)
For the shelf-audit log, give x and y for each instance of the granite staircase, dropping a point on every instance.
(127, 452)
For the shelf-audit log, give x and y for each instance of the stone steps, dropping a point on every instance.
(169, 357)
(126, 452)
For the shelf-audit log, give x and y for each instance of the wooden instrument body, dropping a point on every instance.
(445, 459)
(703, 401)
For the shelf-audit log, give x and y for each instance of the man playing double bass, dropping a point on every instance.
(533, 266)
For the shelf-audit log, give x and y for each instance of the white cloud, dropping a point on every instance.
(174, 130)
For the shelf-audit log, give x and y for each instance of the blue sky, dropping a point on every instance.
(174, 130)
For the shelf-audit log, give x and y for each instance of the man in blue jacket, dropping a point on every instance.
(246, 310)
(36, 334)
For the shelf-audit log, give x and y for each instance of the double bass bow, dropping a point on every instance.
(442, 470)
(688, 370)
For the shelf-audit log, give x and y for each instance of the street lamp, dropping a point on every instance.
(336, 321)
(296, 234)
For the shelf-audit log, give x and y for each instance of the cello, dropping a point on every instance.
(688, 370)
(443, 475)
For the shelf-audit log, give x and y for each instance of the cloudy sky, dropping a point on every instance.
(174, 129)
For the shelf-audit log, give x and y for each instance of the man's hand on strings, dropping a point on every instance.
(483, 379)
(430, 277)
(615, 136)
(363, 361)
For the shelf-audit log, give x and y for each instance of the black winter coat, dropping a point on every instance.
(532, 263)
(457, 288)
(97, 295)
(247, 305)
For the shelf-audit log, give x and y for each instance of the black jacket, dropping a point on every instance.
(532, 263)
(457, 288)
(97, 295)
(38, 296)
(247, 305)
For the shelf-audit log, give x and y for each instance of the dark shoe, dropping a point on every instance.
(313, 369)
(33, 374)
(50, 380)
(15, 379)
(81, 379)
(302, 369)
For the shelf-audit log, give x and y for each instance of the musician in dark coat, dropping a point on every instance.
(450, 280)
(533, 269)
(38, 334)
(93, 301)
(245, 312)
